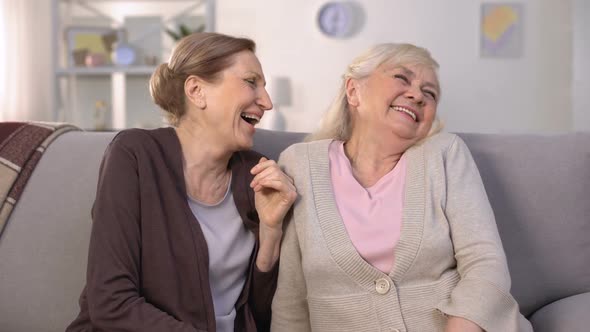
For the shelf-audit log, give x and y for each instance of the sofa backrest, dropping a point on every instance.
(539, 188)
(44, 246)
(272, 143)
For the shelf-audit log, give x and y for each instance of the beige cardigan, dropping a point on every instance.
(449, 259)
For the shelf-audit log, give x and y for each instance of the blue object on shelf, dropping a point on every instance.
(124, 55)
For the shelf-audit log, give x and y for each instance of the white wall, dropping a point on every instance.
(581, 76)
(528, 94)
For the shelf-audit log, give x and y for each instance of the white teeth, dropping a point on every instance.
(251, 116)
(405, 110)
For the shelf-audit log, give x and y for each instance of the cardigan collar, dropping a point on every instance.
(338, 241)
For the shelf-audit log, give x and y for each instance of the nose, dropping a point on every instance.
(263, 100)
(415, 94)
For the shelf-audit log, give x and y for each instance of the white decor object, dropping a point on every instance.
(280, 94)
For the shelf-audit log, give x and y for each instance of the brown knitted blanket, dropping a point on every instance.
(21, 147)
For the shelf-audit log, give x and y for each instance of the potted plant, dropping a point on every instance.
(183, 31)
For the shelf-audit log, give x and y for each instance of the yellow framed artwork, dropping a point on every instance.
(501, 32)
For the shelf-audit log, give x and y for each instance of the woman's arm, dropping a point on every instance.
(289, 307)
(482, 296)
(274, 196)
(114, 260)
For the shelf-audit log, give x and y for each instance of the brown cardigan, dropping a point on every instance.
(148, 260)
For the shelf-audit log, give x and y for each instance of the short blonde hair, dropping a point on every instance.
(337, 123)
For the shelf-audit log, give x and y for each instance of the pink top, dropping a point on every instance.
(372, 216)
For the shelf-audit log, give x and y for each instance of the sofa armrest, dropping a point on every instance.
(568, 314)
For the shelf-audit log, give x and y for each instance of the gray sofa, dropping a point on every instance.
(539, 187)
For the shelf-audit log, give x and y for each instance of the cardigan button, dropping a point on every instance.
(382, 286)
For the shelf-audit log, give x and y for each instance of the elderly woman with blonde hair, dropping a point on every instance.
(393, 230)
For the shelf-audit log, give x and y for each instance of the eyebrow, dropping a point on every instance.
(412, 74)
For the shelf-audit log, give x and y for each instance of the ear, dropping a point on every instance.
(194, 91)
(352, 91)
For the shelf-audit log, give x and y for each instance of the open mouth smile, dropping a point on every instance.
(406, 111)
(252, 119)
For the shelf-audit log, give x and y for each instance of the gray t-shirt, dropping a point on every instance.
(230, 247)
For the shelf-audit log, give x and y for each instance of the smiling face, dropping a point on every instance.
(236, 102)
(395, 101)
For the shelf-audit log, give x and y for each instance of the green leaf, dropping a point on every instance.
(184, 30)
(173, 34)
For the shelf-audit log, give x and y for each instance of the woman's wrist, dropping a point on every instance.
(270, 245)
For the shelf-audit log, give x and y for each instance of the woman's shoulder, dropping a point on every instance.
(137, 138)
(441, 139)
(153, 144)
(442, 142)
(448, 146)
(306, 148)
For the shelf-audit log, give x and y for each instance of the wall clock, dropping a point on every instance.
(337, 19)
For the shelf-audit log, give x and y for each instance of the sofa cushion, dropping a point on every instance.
(44, 247)
(539, 189)
(569, 314)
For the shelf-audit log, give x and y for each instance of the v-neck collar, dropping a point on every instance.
(338, 242)
(376, 190)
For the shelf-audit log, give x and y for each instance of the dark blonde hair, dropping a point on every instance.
(337, 122)
(204, 55)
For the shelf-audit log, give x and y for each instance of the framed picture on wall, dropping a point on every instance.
(501, 32)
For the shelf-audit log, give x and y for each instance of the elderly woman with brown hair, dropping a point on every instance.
(393, 230)
(187, 222)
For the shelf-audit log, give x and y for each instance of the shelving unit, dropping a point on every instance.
(124, 89)
(132, 70)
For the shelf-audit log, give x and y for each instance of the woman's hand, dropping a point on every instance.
(274, 194)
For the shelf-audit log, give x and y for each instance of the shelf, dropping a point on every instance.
(106, 70)
(93, 1)
(79, 24)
